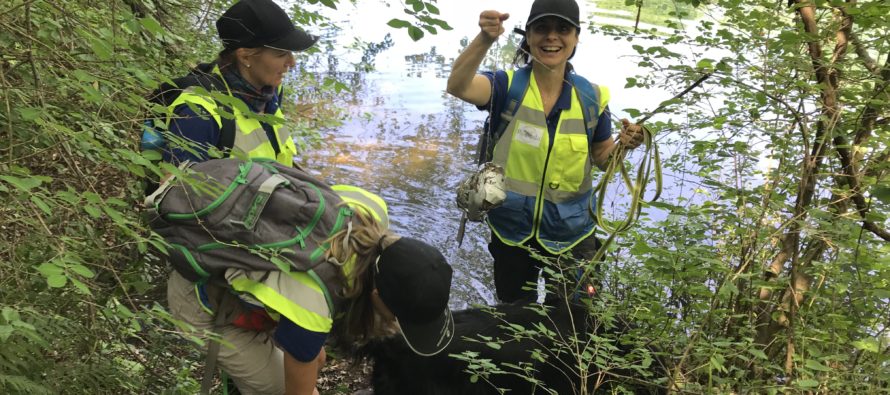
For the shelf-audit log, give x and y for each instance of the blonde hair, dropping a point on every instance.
(364, 240)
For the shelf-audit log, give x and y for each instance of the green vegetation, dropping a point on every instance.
(653, 12)
(756, 279)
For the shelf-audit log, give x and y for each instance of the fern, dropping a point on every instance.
(20, 385)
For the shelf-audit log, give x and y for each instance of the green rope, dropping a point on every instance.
(649, 167)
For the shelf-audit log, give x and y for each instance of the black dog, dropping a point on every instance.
(510, 337)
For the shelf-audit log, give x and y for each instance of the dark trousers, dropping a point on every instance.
(516, 271)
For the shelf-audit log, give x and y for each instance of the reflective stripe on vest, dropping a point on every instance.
(553, 208)
(251, 140)
(295, 295)
(371, 203)
(298, 295)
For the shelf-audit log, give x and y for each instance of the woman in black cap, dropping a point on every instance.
(548, 127)
(275, 334)
(258, 43)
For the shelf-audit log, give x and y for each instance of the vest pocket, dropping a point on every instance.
(513, 219)
(565, 222)
(569, 161)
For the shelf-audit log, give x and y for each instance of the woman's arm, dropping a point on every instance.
(300, 377)
(463, 82)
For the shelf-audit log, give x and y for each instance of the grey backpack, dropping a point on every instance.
(252, 215)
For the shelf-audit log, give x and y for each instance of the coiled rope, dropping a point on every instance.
(649, 168)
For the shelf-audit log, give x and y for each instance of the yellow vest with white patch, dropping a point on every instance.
(549, 190)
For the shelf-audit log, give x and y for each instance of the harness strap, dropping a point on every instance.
(590, 102)
(222, 314)
(151, 201)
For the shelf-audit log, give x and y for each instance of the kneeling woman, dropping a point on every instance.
(365, 282)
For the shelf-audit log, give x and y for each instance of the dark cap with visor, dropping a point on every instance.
(261, 23)
(565, 9)
(414, 281)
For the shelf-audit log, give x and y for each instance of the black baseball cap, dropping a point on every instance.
(261, 23)
(414, 281)
(565, 9)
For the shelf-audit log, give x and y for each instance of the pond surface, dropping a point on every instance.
(410, 142)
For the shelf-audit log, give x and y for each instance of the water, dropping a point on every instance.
(411, 143)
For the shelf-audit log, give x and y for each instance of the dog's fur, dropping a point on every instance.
(397, 370)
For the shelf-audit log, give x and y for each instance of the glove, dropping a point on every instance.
(631, 135)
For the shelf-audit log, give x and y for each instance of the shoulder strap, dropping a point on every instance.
(590, 101)
(207, 79)
(515, 95)
(204, 77)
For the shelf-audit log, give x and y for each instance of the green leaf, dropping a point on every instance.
(50, 269)
(81, 287)
(882, 193)
(93, 211)
(705, 64)
(152, 155)
(806, 383)
(56, 281)
(496, 346)
(631, 82)
(867, 345)
(82, 270)
(101, 48)
(815, 365)
(432, 8)
(415, 33)
(5, 332)
(152, 25)
(757, 353)
(10, 315)
(25, 184)
(41, 204)
(29, 114)
(398, 23)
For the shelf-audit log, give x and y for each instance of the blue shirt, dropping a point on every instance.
(302, 344)
(203, 132)
(499, 84)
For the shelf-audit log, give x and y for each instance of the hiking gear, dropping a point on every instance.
(414, 282)
(250, 215)
(213, 347)
(565, 9)
(482, 191)
(257, 23)
(549, 187)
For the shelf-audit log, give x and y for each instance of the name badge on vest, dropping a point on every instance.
(529, 134)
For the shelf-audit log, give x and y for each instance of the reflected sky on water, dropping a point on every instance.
(407, 140)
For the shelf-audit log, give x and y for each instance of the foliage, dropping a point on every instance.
(768, 271)
(80, 285)
(769, 274)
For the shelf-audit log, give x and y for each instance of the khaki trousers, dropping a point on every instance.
(250, 358)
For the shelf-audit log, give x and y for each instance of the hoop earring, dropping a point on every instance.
(248, 66)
